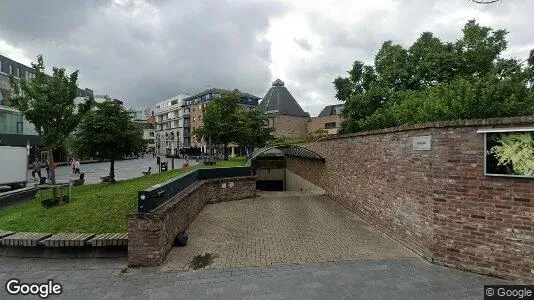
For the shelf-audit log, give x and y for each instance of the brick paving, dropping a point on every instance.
(281, 228)
(405, 278)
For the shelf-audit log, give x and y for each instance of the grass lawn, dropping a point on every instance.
(95, 208)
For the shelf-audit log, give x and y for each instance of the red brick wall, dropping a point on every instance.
(437, 202)
(151, 235)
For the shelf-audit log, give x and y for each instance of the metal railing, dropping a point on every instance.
(156, 195)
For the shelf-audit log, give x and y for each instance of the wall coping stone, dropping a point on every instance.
(490, 122)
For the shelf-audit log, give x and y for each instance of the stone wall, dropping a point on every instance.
(289, 126)
(151, 235)
(438, 202)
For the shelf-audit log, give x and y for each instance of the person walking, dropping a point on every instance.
(36, 169)
(47, 170)
(77, 167)
(72, 166)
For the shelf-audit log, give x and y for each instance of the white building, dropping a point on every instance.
(140, 113)
(169, 132)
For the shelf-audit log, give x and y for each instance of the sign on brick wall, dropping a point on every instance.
(422, 143)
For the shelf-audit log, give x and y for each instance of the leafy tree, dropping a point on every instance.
(517, 150)
(225, 123)
(254, 133)
(222, 124)
(107, 133)
(434, 81)
(48, 103)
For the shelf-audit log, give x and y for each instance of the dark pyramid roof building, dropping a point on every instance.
(278, 100)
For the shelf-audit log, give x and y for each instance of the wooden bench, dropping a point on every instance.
(67, 240)
(26, 239)
(5, 233)
(109, 240)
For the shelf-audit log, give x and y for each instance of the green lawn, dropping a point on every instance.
(94, 208)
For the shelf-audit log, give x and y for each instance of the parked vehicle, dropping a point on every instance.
(13, 166)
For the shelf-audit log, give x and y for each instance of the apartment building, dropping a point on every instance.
(15, 130)
(193, 108)
(329, 119)
(169, 126)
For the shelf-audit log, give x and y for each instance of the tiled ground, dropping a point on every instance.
(366, 279)
(124, 169)
(281, 229)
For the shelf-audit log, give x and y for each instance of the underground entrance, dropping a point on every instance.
(269, 165)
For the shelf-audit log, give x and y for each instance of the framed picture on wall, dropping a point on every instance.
(509, 152)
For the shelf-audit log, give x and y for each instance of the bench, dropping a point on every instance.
(67, 240)
(5, 233)
(26, 239)
(109, 240)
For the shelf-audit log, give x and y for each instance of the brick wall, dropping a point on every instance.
(151, 235)
(437, 202)
(289, 126)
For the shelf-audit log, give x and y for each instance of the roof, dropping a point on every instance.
(329, 110)
(279, 100)
(222, 92)
(286, 150)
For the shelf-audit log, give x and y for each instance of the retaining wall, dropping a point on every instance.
(151, 235)
(437, 202)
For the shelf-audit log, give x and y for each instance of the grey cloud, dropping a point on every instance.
(167, 48)
(144, 53)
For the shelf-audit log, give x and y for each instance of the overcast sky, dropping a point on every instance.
(144, 52)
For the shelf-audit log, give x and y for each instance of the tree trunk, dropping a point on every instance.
(112, 171)
(225, 151)
(50, 160)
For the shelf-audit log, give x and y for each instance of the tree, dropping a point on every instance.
(107, 133)
(48, 103)
(434, 81)
(222, 124)
(255, 132)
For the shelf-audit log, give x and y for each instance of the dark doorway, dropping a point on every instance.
(270, 185)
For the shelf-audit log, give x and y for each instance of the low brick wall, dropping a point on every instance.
(438, 202)
(151, 235)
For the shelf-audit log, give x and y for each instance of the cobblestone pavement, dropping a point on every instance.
(408, 278)
(280, 228)
(124, 169)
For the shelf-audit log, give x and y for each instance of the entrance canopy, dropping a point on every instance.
(287, 150)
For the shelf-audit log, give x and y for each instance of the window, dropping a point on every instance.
(0, 66)
(18, 72)
(330, 125)
(10, 69)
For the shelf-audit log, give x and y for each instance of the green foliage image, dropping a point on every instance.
(515, 151)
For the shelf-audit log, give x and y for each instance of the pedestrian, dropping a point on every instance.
(53, 166)
(77, 167)
(47, 170)
(72, 166)
(36, 169)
